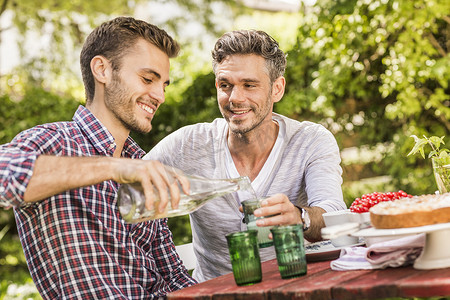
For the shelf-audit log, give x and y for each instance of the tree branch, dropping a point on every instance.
(444, 121)
(435, 43)
(3, 7)
(446, 19)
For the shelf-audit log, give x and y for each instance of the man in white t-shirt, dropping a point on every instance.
(295, 164)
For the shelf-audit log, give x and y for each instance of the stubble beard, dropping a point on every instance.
(260, 116)
(120, 103)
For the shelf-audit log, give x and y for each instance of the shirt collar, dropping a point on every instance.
(101, 138)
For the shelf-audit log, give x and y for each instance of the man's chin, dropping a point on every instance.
(143, 130)
(147, 130)
(239, 130)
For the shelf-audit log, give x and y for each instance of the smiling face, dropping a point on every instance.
(136, 90)
(244, 92)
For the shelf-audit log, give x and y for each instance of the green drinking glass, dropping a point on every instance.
(244, 256)
(291, 258)
(249, 206)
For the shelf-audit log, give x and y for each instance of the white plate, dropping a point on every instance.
(345, 216)
(324, 250)
(373, 232)
(435, 254)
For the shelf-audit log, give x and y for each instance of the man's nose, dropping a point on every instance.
(158, 93)
(236, 95)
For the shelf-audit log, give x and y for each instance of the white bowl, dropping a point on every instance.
(340, 217)
(360, 218)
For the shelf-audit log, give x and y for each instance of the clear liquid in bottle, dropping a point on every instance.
(131, 199)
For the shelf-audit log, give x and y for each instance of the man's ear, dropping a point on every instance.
(101, 68)
(278, 89)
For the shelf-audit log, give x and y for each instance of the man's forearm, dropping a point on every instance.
(56, 174)
(313, 234)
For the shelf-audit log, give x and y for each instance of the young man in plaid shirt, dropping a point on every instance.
(62, 178)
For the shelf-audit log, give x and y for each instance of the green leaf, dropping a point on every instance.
(416, 139)
(418, 147)
(444, 153)
(432, 153)
(422, 152)
(437, 141)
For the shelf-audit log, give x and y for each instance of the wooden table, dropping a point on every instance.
(321, 282)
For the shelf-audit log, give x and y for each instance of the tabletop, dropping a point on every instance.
(321, 282)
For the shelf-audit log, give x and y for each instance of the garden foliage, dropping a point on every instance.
(371, 71)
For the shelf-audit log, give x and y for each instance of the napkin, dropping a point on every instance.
(392, 253)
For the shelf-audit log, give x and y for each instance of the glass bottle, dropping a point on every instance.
(131, 198)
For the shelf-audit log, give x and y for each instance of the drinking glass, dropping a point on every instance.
(441, 169)
(249, 206)
(244, 256)
(290, 251)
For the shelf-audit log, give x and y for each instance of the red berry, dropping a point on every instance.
(366, 201)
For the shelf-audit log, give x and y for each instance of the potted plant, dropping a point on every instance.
(440, 158)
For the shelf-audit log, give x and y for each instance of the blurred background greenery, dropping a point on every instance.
(373, 72)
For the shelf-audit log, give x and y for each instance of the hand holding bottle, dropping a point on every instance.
(131, 198)
(159, 183)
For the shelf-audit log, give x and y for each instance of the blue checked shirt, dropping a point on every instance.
(76, 244)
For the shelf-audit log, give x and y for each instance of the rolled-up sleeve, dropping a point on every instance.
(17, 160)
(16, 168)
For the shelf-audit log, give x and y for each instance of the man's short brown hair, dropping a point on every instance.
(112, 39)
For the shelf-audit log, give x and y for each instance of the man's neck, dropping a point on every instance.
(119, 133)
(250, 151)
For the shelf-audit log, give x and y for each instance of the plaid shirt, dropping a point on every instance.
(76, 244)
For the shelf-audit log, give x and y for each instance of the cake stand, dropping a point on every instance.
(435, 254)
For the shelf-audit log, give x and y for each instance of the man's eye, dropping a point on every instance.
(147, 80)
(224, 85)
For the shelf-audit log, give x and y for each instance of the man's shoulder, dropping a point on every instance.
(296, 126)
(61, 127)
(205, 128)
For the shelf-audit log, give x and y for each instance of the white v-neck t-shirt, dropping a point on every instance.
(263, 175)
(307, 170)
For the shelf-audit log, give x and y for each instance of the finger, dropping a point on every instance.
(284, 219)
(147, 188)
(174, 194)
(268, 211)
(185, 184)
(270, 221)
(179, 176)
(161, 182)
(273, 200)
(277, 204)
(274, 209)
(177, 179)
